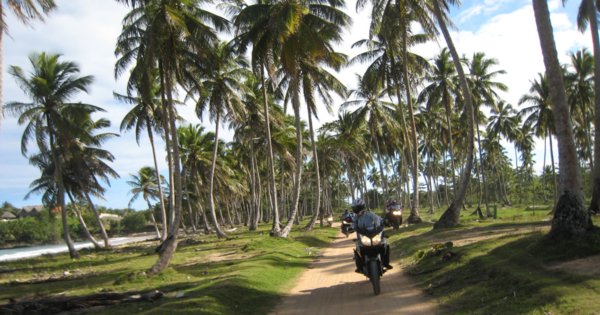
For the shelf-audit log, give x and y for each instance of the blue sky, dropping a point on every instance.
(85, 31)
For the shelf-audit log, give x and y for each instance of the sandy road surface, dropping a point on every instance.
(332, 287)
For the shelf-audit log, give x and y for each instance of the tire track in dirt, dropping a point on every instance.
(332, 287)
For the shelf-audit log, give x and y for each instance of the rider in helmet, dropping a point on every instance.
(389, 204)
(358, 207)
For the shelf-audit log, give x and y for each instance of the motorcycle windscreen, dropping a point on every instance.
(369, 224)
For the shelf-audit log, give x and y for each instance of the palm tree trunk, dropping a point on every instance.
(311, 223)
(349, 178)
(450, 217)
(82, 222)
(375, 137)
(189, 203)
(165, 121)
(414, 217)
(151, 211)
(446, 180)
(518, 176)
(485, 188)
(91, 204)
(271, 161)
(449, 123)
(229, 215)
(553, 170)
(170, 244)
(61, 195)
(211, 199)
(160, 190)
(595, 203)
(544, 173)
(299, 161)
(571, 218)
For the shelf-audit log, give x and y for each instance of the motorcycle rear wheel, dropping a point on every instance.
(374, 273)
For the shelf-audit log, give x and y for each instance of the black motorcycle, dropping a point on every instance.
(370, 246)
(346, 226)
(395, 216)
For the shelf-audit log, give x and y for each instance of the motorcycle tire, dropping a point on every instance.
(396, 225)
(374, 273)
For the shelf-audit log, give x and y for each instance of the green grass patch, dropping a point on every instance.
(245, 274)
(502, 266)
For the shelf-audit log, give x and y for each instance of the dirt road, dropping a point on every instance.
(332, 287)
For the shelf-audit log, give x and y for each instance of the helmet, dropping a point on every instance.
(358, 205)
(345, 210)
(390, 202)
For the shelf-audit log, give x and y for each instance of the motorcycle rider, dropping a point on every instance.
(389, 204)
(346, 215)
(363, 216)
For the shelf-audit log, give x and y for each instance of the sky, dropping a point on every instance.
(85, 31)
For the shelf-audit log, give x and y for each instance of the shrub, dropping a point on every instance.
(134, 221)
(115, 227)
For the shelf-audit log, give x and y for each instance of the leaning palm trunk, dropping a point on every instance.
(414, 210)
(83, 225)
(553, 171)
(163, 213)
(298, 176)
(151, 211)
(451, 216)
(253, 212)
(97, 216)
(164, 112)
(169, 246)
(571, 218)
(271, 162)
(211, 199)
(595, 203)
(311, 223)
(61, 197)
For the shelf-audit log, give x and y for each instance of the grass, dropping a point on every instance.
(244, 274)
(502, 266)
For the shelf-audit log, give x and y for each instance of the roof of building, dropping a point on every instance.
(8, 215)
(30, 208)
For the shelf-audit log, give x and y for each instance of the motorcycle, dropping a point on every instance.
(346, 225)
(395, 216)
(330, 220)
(370, 246)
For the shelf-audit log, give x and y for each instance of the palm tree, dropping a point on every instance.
(26, 11)
(443, 90)
(146, 114)
(144, 184)
(571, 218)
(581, 94)
(586, 7)
(174, 37)
(373, 111)
(220, 95)
(51, 84)
(85, 157)
(541, 116)
(451, 216)
(483, 91)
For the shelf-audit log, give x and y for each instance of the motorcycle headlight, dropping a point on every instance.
(376, 240)
(330, 219)
(366, 241)
(399, 212)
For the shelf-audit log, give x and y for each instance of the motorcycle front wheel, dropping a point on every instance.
(396, 224)
(374, 273)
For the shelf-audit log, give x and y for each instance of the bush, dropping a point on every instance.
(115, 227)
(26, 230)
(134, 221)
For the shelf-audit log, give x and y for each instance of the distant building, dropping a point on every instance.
(110, 217)
(8, 216)
(29, 211)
